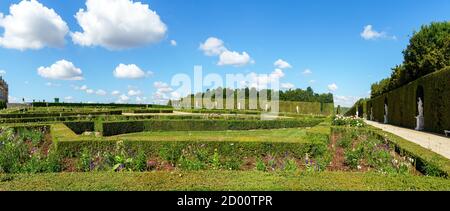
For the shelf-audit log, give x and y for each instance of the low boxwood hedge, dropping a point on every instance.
(81, 126)
(123, 127)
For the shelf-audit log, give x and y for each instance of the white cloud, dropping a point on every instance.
(287, 86)
(61, 70)
(281, 64)
(163, 92)
(332, 87)
(233, 58)
(140, 99)
(124, 24)
(90, 91)
(371, 34)
(50, 84)
(133, 92)
(68, 99)
(101, 92)
(346, 101)
(2, 72)
(82, 88)
(123, 99)
(173, 43)
(31, 25)
(262, 81)
(312, 81)
(213, 47)
(130, 71)
(307, 72)
(115, 93)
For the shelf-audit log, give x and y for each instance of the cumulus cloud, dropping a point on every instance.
(163, 92)
(173, 43)
(130, 71)
(307, 72)
(125, 24)
(101, 92)
(115, 93)
(123, 99)
(312, 81)
(332, 87)
(215, 47)
(31, 25)
(371, 34)
(262, 81)
(346, 101)
(133, 92)
(233, 58)
(90, 91)
(281, 64)
(2, 72)
(287, 86)
(61, 70)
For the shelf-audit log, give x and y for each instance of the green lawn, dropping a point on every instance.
(296, 135)
(220, 180)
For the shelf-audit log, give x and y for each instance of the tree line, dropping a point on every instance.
(428, 51)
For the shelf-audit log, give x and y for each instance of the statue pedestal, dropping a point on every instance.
(419, 123)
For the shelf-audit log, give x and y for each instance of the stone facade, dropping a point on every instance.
(3, 90)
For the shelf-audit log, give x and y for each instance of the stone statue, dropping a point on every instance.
(267, 107)
(371, 113)
(420, 118)
(239, 106)
(298, 110)
(386, 114)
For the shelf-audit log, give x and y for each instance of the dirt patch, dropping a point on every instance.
(338, 161)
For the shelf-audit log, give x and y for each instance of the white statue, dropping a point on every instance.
(267, 107)
(419, 118)
(385, 114)
(239, 106)
(357, 113)
(298, 110)
(371, 114)
(196, 104)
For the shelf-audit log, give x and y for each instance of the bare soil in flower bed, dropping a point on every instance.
(341, 162)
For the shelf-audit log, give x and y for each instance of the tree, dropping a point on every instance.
(428, 50)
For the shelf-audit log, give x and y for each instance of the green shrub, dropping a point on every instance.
(260, 165)
(116, 128)
(81, 127)
(290, 165)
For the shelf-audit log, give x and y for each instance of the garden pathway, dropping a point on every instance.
(435, 143)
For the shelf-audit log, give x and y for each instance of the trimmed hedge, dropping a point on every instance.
(80, 127)
(123, 127)
(152, 111)
(402, 103)
(59, 114)
(111, 105)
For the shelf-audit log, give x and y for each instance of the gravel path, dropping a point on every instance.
(435, 143)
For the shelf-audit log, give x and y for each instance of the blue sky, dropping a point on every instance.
(322, 36)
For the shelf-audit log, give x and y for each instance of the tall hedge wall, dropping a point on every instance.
(402, 103)
(123, 127)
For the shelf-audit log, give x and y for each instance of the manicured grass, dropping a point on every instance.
(295, 135)
(220, 180)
